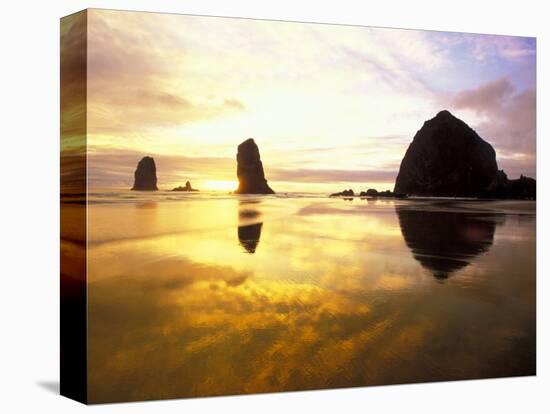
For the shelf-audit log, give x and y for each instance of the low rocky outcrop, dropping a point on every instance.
(250, 171)
(187, 187)
(145, 176)
(373, 193)
(345, 193)
(523, 188)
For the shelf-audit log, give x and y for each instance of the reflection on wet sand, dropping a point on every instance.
(249, 234)
(446, 241)
(348, 305)
(147, 205)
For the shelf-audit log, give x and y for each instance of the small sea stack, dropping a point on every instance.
(344, 193)
(373, 193)
(250, 171)
(187, 188)
(145, 177)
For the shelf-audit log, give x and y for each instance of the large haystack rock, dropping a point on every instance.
(447, 158)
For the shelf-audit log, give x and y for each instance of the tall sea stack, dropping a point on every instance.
(145, 177)
(447, 158)
(250, 170)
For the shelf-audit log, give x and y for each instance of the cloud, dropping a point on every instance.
(73, 103)
(506, 47)
(73, 75)
(161, 83)
(134, 78)
(486, 98)
(404, 60)
(115, 168)
(506, 118)
(144, 110)
(223, 68)
(486, 48)
(234, 103)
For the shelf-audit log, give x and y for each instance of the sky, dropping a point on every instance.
(330, 106)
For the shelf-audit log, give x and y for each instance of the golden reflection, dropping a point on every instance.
(221, 185)
(249, 230)
(331, 298)
(446, 241)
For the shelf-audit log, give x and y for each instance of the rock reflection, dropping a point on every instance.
(446, 241)
(249, 234)
(212, 319)
(149, 205)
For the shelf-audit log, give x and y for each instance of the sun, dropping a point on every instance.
(219, 185)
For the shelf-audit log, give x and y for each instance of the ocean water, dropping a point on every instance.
(211, 294)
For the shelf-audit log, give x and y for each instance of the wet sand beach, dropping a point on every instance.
(200, 295)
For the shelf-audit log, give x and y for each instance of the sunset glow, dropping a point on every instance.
(264, 206)
(221, 185)
(329, 106)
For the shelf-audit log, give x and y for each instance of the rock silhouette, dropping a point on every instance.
(524, 188)
(250, 171)
(447, 158)
(187, 187)
(371, 192)
(445, 241)
(249, 236)
(345, 193)
(145, 177)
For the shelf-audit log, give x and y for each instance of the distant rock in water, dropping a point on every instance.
(345, 193)
(145, 177)
(250, 170)
(186, 188)
(447, 158)
(371, 192)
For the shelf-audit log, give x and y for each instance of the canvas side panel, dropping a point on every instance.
(73, 205)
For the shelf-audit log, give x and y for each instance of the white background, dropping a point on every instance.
(29, 224)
